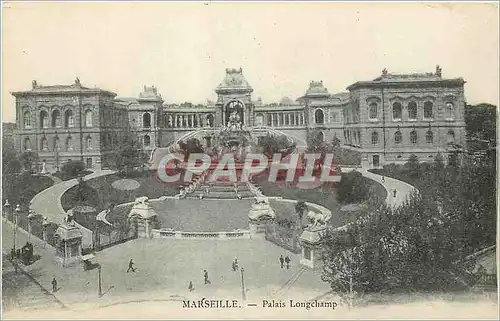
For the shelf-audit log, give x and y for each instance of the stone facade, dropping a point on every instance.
(387, 119)
(394, 116)
(61, 123)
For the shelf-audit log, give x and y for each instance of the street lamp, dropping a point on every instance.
(99, 281)
(243, 294)
(31, 216)
(7, 206)
(16, 215)
(45, 224)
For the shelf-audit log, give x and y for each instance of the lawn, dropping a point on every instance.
(324, 196)
(106, 194)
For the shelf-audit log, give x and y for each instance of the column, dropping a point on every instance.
(176, 120)
(272, 119)
(190, 120)
(288, 118)
(183, 121)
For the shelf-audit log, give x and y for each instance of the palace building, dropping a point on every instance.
(385, 119)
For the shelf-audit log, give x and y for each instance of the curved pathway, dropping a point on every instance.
(403, 189)
(48, 201)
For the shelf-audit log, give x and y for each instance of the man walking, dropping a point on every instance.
(54, 284)
(287, 261)
(282, 260)
(205, 276)
(191, 287)
(130, 266)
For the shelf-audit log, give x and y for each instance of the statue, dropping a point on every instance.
(384, 72)
(261, 210)
(44, 167)
(77, 82)
(317, 219)
(34, 84)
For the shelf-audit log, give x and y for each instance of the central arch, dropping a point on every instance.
(234, 108)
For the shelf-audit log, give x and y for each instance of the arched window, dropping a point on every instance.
(451, 137)
(374, 138)
(373, 110)
(321, 137)
(69, 144)
(43, 144)
(413, 137)
(27, 119)
(147, 140)
(88, 118)
(259, 120)
(412, 110)
(69, 120)
(429, 137)
(398, 138)
(146, 120)
(319, 116)
(210, 120)
(27, 144)
(428, 112)
(56, 118)
(449, 110)
(44, 119)
(397, 111)
(89, 142)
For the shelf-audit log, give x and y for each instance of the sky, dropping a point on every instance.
(184, 48)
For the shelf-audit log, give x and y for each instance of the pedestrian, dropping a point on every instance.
(282, 260)
(236, 264)
(130, 266)
(54, 284)
(383, 179)
(395, 192)
(205, 276)
(190, 286)
(287, 260)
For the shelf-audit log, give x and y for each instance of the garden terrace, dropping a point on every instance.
(100, 192)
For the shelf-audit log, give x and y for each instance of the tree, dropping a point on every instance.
(413, 248)
(128, 154)
(27, 160)
(10, 160)
(438, 162)
(413, 166)
(300, 209)
(352, 188)
(72, 168)
(480, 121)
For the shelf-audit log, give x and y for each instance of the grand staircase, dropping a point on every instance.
(222, 190)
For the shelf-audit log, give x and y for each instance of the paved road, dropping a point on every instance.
(48, 201)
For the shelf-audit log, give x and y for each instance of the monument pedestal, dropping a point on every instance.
(258, 228)
(69, 244)
(310, 241)
(259, 216)
(143, 216)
